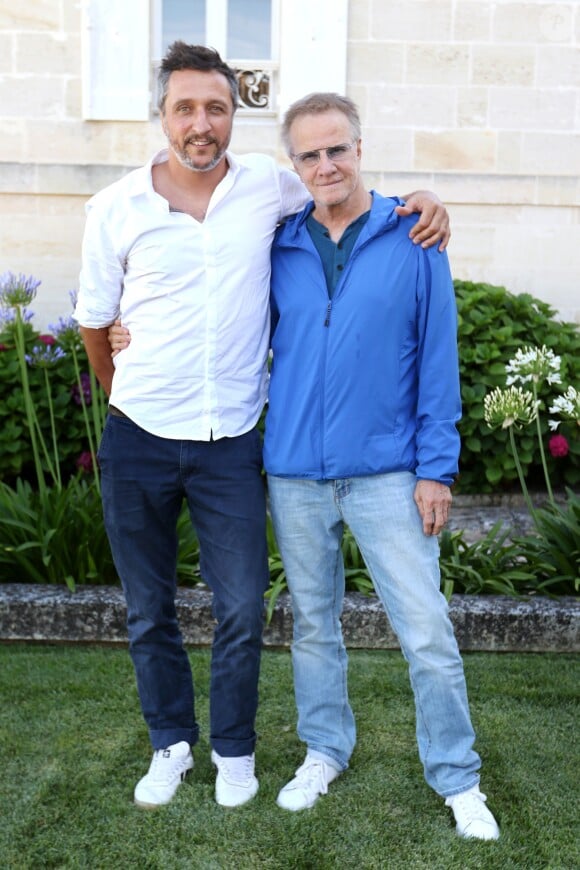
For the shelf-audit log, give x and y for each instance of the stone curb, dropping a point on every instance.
(96, 614)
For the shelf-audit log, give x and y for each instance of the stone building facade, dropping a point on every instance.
(475, 99)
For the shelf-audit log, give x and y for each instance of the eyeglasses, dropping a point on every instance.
(335, 154)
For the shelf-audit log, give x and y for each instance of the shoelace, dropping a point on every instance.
(237, 770)
(163, 767)
(469, 804)
(312, 773)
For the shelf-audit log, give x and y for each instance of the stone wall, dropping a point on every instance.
(92, 614)
(478, 100)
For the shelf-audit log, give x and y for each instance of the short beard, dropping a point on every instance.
(186, 161)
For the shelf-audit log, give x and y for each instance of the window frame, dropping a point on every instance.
(216, 36)
(120, 48)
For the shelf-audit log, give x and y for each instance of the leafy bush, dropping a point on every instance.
(493, 324)
(16, 455)
(55, 535)
(555, 547)
(491, 565)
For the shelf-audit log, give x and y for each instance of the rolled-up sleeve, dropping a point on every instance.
(102, 272)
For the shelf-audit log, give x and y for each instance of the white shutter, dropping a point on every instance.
(216, 25)
(116, 60)
(313, 37)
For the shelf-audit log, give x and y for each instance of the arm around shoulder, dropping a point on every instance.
(433, 224)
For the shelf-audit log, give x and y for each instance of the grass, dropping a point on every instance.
(73, 745)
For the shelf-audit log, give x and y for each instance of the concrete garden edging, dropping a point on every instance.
(96, 614)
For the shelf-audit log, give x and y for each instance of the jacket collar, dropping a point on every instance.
(382, 217)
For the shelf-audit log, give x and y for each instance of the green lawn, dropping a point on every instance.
(73, 745)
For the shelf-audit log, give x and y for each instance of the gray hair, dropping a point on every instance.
(316, 104)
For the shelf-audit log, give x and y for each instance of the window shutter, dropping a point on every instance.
(115, 60)
(313, 40)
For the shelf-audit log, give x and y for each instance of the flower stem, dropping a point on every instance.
(542, 454)
(521, 474)
(98, 405)
(91, 437)
(56, 473)
(28, 406)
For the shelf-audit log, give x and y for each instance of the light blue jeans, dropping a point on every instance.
(309, 518)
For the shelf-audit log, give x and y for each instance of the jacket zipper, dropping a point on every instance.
(328, 310)
(326, 339)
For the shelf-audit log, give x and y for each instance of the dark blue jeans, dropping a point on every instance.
(144, 481)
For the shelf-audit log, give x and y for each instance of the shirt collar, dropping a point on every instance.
(141, 179)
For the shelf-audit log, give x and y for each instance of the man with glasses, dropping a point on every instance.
(361, 430)
(180, 250)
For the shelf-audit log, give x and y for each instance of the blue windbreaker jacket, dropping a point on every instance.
(367, 383)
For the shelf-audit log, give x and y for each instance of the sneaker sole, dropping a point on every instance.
(232, 806)
(487, 839)
(145, 806)
(298, 809)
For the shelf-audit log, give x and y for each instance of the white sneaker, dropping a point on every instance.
(473, 818)
(312, 779)
(235, 782)
(166, 772)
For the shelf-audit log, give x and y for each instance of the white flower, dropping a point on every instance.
(567, 406)
(511, 407)
(533, 364)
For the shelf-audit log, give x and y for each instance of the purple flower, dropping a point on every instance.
(8, 317)
(45, 356)
(48, 340)
(86, 388)
(66, 332)
(17, 290)
(85, 461)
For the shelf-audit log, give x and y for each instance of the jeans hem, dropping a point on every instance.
(233, 748)
(460, 789)
(162, 738)
(328, 757)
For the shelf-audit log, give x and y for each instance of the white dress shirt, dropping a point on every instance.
(194, 296)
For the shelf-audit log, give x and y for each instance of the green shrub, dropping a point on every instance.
(493, 324)
(55, 535)
(555, 547)
(16, 456)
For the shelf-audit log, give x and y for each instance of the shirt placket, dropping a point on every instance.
(210, 398)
